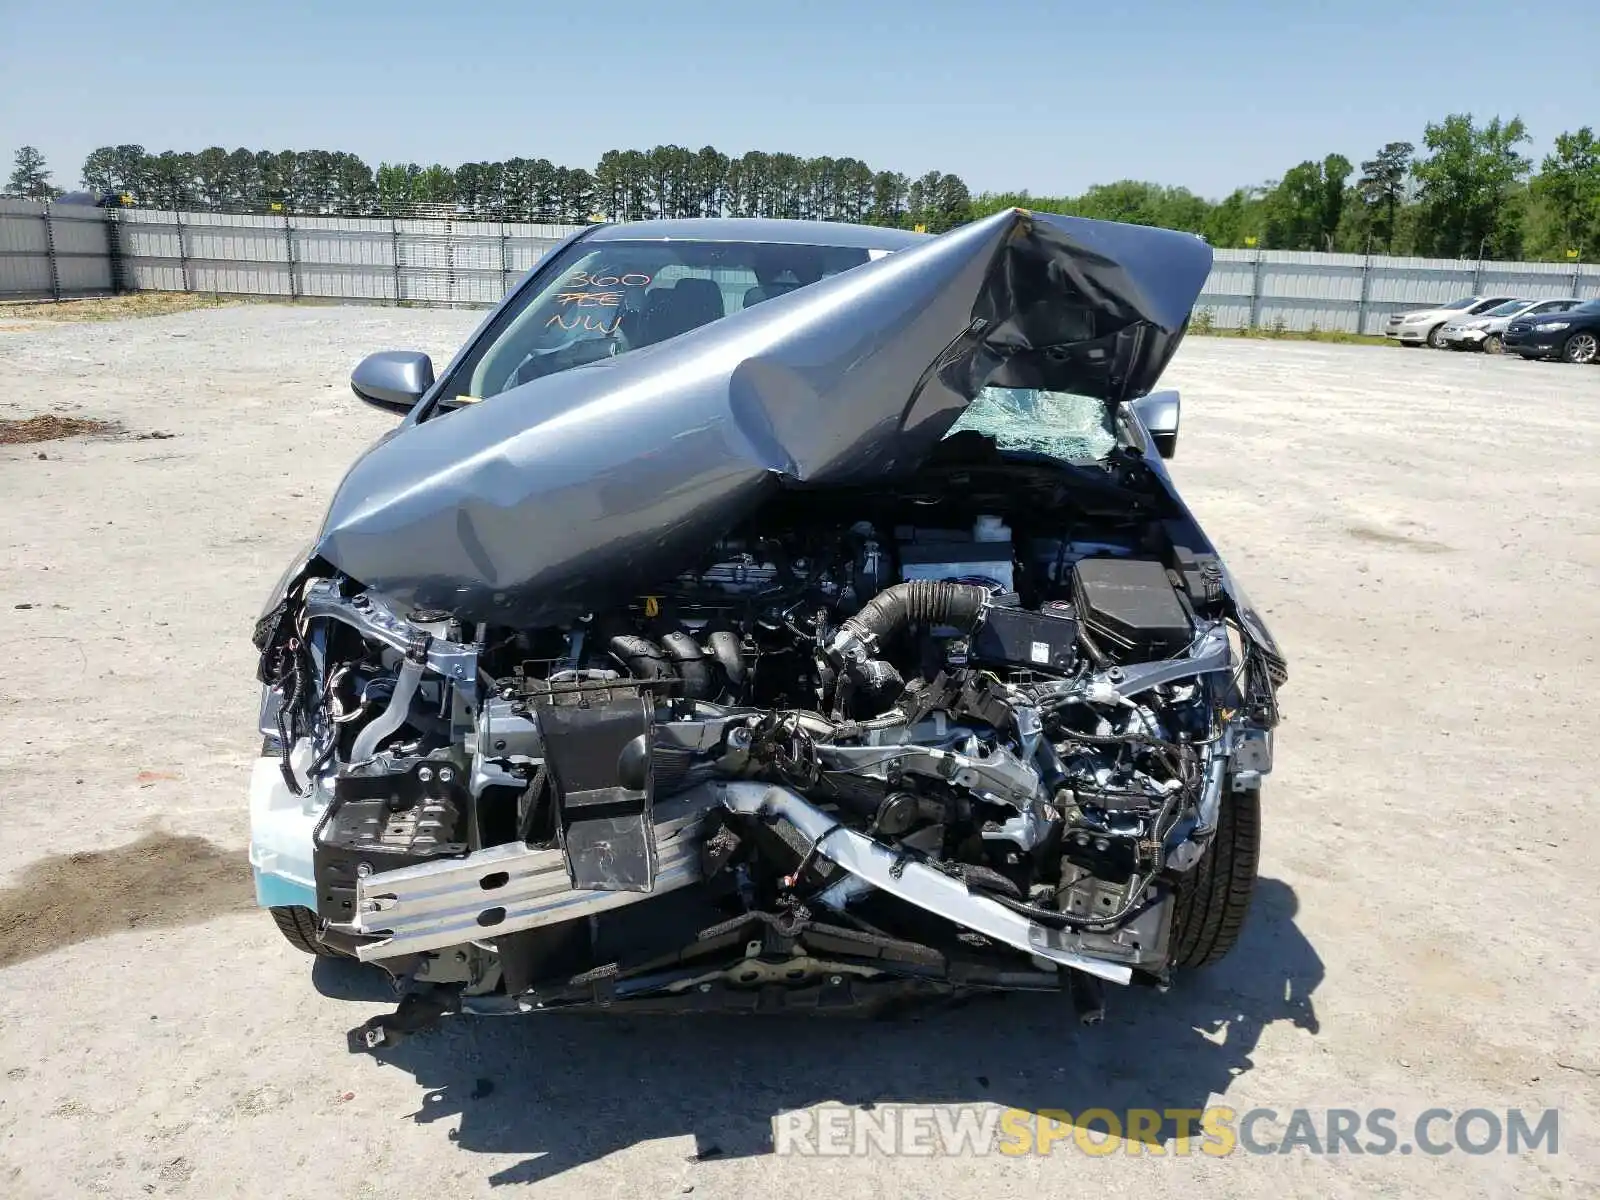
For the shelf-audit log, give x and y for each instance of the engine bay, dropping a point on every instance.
(966, 731)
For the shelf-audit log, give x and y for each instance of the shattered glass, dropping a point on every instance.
(1063, 425)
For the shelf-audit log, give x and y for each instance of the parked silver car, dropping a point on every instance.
(1487, 331)
(1425, 326)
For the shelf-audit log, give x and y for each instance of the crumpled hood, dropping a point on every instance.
(585, 486)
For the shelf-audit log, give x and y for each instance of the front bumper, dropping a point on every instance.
(1533, 344)
(1407, 333)
(281, 828)
(1463, 339)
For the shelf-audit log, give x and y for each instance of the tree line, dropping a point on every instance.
(1470, 191)
(667, 181)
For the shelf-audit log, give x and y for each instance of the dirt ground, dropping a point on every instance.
(1422, 530)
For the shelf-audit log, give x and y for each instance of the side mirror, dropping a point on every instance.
(1158, 412)
(393, 379)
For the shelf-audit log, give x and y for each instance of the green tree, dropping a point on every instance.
(575, 192)
(395, 183)
(30, 178)
(1382, 189)
(888, 199)
(280, 179)
(170, 180)
(315, 174)
(98, 166)
(1302, 210)
(1336, 170)
(1568, 190)
(1240, 217)
(435, 185)
(710, 181)
(749, 182)
(949, 204)
(244, 181)
(212, 184)
(1467, 187)
(354, 190)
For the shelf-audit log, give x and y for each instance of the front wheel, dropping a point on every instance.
(1493, 344)
(1436, 337)
(1214, 898)
(299, 925)
(1581, 347)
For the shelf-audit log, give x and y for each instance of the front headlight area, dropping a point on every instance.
(365, 716)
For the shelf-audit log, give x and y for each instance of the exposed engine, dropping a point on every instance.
(905, 738)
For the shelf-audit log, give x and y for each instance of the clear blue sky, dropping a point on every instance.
(1047, 96)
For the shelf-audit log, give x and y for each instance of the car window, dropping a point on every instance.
(1483, 306)
(1550, 306)
(1062, 425)
(606, 298)
(1464, 302)
(1509, 309)
(1587, 307)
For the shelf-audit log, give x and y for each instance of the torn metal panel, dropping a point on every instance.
(552, 497)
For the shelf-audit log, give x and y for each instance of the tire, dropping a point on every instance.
(1434, 339)
(1214, 899)
(299, 928)
(1581, 347)
(1494, 344)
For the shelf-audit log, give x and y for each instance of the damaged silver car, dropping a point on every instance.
(763, 615)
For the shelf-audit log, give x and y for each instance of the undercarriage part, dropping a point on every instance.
(913, 882)
(505, 889)
(418, 1012)
(598, 744)
(387, 813)
(1088, 997)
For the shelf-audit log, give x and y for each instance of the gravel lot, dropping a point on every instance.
(1423, 530)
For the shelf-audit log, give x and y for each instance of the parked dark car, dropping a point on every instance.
(1572, 336)
(764, 615)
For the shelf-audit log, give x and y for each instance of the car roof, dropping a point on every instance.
(760, 229)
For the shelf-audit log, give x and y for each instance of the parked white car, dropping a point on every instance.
(1487, 332)
(1425, 326)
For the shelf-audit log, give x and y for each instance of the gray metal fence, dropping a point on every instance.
(379, 259)
(61, 251)
(1355, 293)
(54, 250)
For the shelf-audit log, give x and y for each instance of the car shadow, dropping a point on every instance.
(565, 1089)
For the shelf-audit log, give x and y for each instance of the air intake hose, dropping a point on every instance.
(920, 602)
